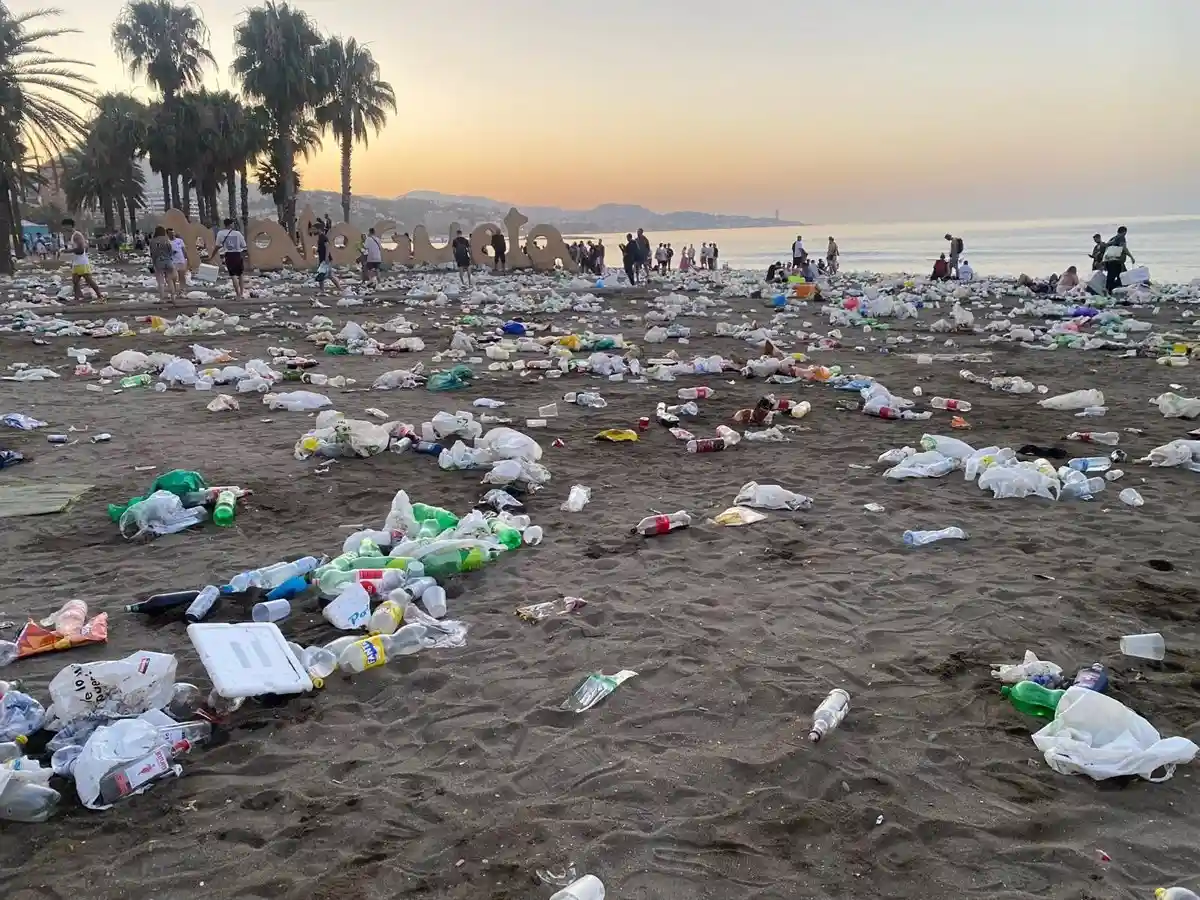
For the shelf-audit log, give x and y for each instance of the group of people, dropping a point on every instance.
(955, 267)
(588, 256)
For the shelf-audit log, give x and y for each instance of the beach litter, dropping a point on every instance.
(593, 689)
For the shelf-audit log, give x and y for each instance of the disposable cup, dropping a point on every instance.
(1145, 646)
(271, 611)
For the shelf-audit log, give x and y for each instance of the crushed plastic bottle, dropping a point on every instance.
(1090, 464)
(950, 404)
(593, 689)
(585, 398)
(652, 525)
(577, 499)
(829, 714)
(1130, 497)
(1109, 438)
(921, 538)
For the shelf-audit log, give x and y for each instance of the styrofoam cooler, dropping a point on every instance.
(207, 273)
(1140, 275)
(1097, 282)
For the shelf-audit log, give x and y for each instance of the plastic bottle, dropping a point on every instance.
(194, 733)
(706, 445)
(162, 602)
(1109, 438)
(1130, 497)
(204, 603)
(12, 749)
(728, 435)
(696, 393)
(577, 499)
(652, 525)
(921, 538)
(225, 509)
(1094, 678)
(1090, 464)
(585, 398)
(136, 381)
(794, 409)
(272, 576)
(387, 617)
(24, 801)
(369, 653)
(949, 403)
(829, 714)
(445, 519)
(1032, 699)
(1081, 488)
(434, 601)
(589, 887)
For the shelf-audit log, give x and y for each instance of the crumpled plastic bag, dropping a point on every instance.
(179, 371)
(770, 496)
(346, 437)
(397, 378)
(505, 443)
(113, 687)
(1173, 406)
(460, 424)
(111, 746)
(1092, 734)
(738, 515)
(1030, 669)
(1175, 453)
(222, 402)
(460, 456)
(20, 715)
(209, 357)
(297, 401)
(160, 513)
(1019, 480)
(1073, 400)
(130, 361)
(443, 632)
(513, 471)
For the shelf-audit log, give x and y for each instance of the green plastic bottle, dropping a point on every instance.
(444, 518)
(225, 510)
(1032, 699)
(452, 562)
(133, 381)
(506, 534)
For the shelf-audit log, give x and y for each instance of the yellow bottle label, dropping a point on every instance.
(372, 651)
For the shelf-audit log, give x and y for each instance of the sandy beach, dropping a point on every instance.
(453, 774)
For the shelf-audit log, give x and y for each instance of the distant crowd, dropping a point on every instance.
(639, 261)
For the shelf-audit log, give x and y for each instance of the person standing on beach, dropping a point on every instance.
(598, 258)
(233, 249)
(499, 251)
(161, 262)
(643, 245)
(831, 256)
(1116, 253)
(178, 257)
(956, 249)
(670, 256)
(1098, 253)
(798, 252)
(714, 253)
(81, 268)
(462, 258)
(629, 258)
(324, 265)
(373, 252)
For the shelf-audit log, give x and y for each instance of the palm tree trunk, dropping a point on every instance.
(214, 208)
(121, 215)
(133, 219)
(6, 228)
(231, 194)
(347, 146)
(187, 199)
(18, 231)
(287, 168)
(175, 190)
(166, 180)
(245, 200)
(201, 202)
(110, 222)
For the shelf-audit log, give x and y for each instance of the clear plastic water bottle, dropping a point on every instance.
(829, 714)
(275, 575)
(1090, 464)
(696, 393)
(921, 538)
(24, 801)
(662, 524)
(1109, 438)
(585, 398)
(950, 403)
(204, 603)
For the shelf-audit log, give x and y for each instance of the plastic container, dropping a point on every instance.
(1144, 646)
(271, 611)
(589, 887)
(248, 659)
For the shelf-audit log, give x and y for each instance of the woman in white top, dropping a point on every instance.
(178, 256)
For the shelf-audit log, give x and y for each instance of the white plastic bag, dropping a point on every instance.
(1074, 400)
(114, 687)
(297, 401)
(1172, 406)
(1093, 734)
(209, 357)
(1020, 480)
(121, 743)
(1028, 670)
(160, 513)
(130, 361)
(577, 499)
(770, 496)
(929, 464)
(179, 371)
(460, 456)
(506, 443)
(459, 424)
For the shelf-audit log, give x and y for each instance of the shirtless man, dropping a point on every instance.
(81, 268)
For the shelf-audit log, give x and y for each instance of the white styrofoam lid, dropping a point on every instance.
(246, 659)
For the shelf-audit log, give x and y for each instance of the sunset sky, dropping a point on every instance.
(827, 110)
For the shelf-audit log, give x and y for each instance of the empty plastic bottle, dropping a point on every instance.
(272, 576)
(921, 538)
(127, 778)
(225, 510)
(387, 617)
(1089, 464)
(25, 801)
(950, 403)
(1109, 438)
(585, 398)
(136, 381)
(369, 653)
(829, 714)
(161, 602)
(794, 409)
(12, 749)
(696, 393)
(194, 733)
(1081, 487)
(706, 445)
(662, 524)
(1130, 497)
(1093, 677)
(1032, 699)
(589, 887)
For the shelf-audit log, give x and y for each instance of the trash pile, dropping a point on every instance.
(117, 727)
(175, 501)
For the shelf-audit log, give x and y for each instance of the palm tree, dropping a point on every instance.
(277, 62)
(256, 141)
(118, 135)
(306, 140)
(168, 44)
(36, 87)
(95, 181)
(359, 101)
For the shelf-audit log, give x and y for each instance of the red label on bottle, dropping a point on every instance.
(662, 524)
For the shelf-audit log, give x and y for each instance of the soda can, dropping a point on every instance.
(101, 438)
(57, 438)
(643, 423)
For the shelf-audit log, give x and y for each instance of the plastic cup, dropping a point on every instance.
(549, 411)
(271, 611)
(1144, 646)
(535, 423)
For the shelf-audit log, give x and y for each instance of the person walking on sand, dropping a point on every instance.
(462, 259)
(325, 265)
(831, 256)
(643, 246)
(163, 264)
(956, 251)
(373, 253)
(233, 249)
(178, 257)
(629, 258)
(81, 267)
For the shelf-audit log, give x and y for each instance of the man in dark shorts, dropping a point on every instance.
(462, 258)
(500, 249)
(233, 249)
(373, 253)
